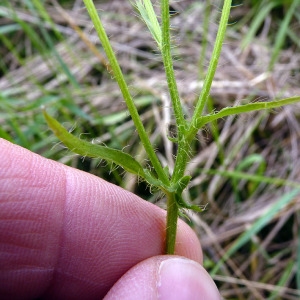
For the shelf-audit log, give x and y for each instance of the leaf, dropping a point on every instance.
(84, 148)
(153, 180)
(178, 189)
(147, 13)
(182, 183)
(182, 204)
(227, 111)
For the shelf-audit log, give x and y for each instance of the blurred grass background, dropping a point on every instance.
(245, 169)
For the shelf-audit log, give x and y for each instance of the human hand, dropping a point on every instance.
(66, 234)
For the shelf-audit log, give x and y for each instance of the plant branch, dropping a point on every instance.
(211, 69)
(181, 159)
(236, 110)
(171, 228)
(168, 64)
(125, 91)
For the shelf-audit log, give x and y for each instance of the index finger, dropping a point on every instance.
(68, 234)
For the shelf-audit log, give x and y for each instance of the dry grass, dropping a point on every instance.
(265, 266)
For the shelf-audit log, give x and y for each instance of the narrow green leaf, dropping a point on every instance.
(148, 15)
(182, 184)
(227, 111)
(84, 148)
(182, 204)
(260, 16)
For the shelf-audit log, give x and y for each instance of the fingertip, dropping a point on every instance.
(181, 278)
(165, 277)
(86, 231)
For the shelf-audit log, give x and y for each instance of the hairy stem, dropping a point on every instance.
(211, 69)
(183, 143)
(171, 228)
(181, 160)
(172, 208)
(167, 60)
(125, 91)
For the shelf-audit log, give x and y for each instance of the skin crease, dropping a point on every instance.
(66, 234)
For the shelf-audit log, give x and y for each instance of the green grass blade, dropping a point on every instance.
(281, 35)
(50, 43)
(5, 135)
(246, 163)
(204, 44)
(28, 30)
(294, 37)
(21, 138)
(283, 280)
(254, 178)
(215, 131)
(262, 12)
(279, 205)
(4, 29)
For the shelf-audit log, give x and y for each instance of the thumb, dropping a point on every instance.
(165, 277)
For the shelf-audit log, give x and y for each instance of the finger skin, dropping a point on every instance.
(165, 277)
(66, 234)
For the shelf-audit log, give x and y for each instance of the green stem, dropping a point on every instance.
(125, 91)
(183, 142)
(172, 208)
(211, 70)
(171, 228)
(181, 160)
(168, 64)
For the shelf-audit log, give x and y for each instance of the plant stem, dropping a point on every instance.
(125, 91)
(171, 228)
(181, 160)
(186, 136)
(189, 135)
(168, 64)
(211, 70)
(172, 208)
